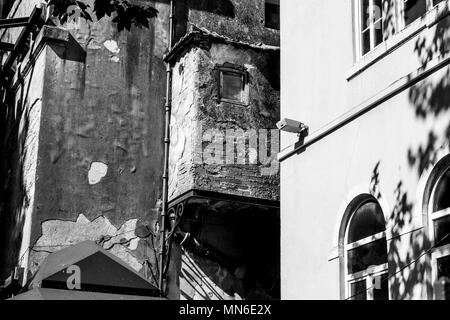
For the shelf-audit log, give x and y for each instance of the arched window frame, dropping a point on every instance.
(370, 274)
(443, 251)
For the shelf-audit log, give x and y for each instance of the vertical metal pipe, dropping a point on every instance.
(167, 107)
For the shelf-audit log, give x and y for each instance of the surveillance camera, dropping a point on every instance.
(293, 126)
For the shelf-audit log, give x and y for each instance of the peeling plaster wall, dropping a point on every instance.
(197, 109)
(105, 109)
(102, 103)
(58, 234)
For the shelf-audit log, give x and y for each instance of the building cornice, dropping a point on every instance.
(203, 38)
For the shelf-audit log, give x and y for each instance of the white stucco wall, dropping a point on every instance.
(316, 185)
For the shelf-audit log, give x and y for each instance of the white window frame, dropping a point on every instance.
(428, 6)
(399, 21)
(370, 273)
(442, 251)
(359, 24)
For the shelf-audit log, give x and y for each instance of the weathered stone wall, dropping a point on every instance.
(101, 154)
(198, 112)
(99, 162)
(183, 128)
(242, 20)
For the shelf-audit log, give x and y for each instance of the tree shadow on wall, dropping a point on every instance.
(409, 249)
(390, 21)
(430, 97)
(14, 199)
(408, 267)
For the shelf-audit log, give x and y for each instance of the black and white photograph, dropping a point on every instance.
(246, 152)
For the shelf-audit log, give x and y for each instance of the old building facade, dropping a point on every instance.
(365, 195)
(82, 137)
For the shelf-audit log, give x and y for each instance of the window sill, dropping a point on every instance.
(428, 20)
(235, 102)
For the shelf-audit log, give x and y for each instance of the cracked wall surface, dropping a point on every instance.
(93, 152)
(242, 20)
(98, 154)
(58, 234)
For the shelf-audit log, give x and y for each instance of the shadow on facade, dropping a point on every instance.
(409, 248)
(13, 195)
(236, 256)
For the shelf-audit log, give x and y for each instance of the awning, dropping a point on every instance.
(86, 271)
(56, 294)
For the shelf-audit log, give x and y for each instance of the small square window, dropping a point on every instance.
(272, 14)
(233, 86)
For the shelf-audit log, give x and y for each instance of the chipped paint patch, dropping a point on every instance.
(97, 172)
(112, 46)
(58, 234)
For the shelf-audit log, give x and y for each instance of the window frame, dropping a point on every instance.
(442, 251)
(402, 23)
(371, 272)
(371, 27)
(244, 101)
(266, 24)
(399, 21)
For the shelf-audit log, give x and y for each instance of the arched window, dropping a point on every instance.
(439, 213)
(365, 250)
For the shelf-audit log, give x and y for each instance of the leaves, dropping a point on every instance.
(125, 14)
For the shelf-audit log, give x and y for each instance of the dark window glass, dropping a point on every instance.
(366, 41)
(272, 14)
(367, 220)
(435, 2)
(378, 32)
(441, 231)
(365, 12)
(444, 267)
(381, 292)
(371, 254)
(378, 21)
(5, 7)
(414, 9)
(442, 193)
(358, 290)
(232, 86)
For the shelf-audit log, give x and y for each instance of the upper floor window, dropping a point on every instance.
(365, 252)
(272, 14)
(374, 15)
(413, 9)
(233, 85)
(371, 24)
